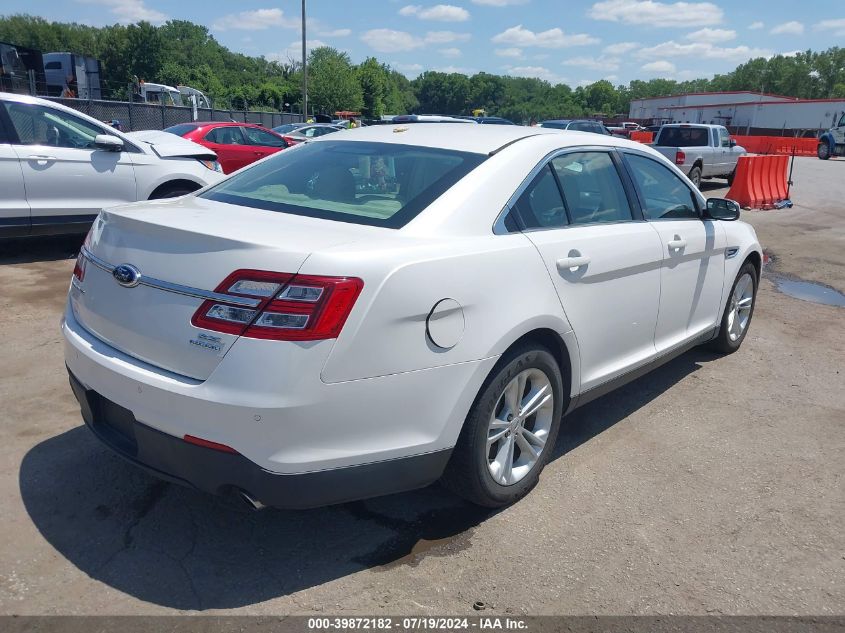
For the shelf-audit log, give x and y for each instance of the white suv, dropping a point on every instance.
(363, 313)
(59, 167)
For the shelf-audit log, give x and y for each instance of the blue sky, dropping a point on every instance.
(570, 41)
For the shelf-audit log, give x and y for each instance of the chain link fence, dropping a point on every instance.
(146, 116)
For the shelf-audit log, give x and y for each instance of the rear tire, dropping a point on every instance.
(738, 311)
(695, 176)
(823, 151)
(510, 431)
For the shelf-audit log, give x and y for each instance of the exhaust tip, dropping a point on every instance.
(252, 502)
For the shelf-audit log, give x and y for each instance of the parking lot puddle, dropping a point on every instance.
(809, 291)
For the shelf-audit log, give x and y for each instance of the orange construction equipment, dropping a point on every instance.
(778, 145)
(760, 182)
(642, 137)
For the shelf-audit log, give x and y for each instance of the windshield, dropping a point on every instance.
(287, 127)
(379, 184)
(683, 136)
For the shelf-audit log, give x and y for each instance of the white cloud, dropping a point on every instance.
(409, 70)
(661, 66)
(790, 53)
(390, 41)
(335, 33)
(131, 10)
(788, 28)
(499, 3)
(454, 69)
(651, 13)
(672, 49)
(450, 52)
(256, 20)
(712, 36)
(437, 13)
(515, 53)
(621, 48)
(836, 25)
(553, 38)
(593, 63)
(540, 72)
(756, 26)
(445, 37)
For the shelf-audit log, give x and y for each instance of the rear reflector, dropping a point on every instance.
(198, 441)
(291, 308)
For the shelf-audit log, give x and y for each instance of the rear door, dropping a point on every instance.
(68, 179)
(692, 252)
(14, 209)
(604, 263)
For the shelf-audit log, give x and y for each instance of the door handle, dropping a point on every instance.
(41, 158)
(568, 263)
(676, 244)
(259, 153)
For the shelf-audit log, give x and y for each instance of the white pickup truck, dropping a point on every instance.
(700, 151)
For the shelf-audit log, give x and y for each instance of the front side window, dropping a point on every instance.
(379, 184)
(724, 137)
(592, 189)
(255, 136)
(540, 206)
(228, 135)
(663, 194)
(40, 125)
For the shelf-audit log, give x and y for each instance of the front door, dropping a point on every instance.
(605, 266)
(693, 252)
(14, 209)
(68, 179)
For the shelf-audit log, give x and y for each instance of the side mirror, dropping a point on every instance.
(733, 143)
(722, 209)
(108, 143)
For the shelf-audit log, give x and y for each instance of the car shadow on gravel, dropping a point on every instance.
(178, 548)
(39, 249)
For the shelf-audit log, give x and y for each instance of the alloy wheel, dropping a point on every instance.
(742, 300)
(520, 426)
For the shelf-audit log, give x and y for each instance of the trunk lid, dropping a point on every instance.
(191, 245)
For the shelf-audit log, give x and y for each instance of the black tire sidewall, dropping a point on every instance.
(535, 358)
(724, 341)
(693, 171)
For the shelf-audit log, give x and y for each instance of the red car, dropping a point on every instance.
(236, 144)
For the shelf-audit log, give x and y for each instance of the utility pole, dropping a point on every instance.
(304, 68)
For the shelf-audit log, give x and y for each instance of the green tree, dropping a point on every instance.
(332, 81)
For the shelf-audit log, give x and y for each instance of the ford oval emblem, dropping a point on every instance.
(127, 275)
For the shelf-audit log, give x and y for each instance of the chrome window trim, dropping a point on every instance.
(168, 286)
(499, 225)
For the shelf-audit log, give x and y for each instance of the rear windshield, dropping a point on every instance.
(181, 129)
(684, 136)
(379, 184)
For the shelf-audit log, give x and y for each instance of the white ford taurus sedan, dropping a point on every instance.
(370, 312)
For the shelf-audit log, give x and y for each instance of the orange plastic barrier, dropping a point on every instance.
(642, 137)
(760, 181)
(778, 145)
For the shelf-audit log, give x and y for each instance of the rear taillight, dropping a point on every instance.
(288, 308)
(81, 260)
(680, 158)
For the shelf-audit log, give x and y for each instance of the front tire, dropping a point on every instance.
(510, 431)
(738, 312)
(823, 151)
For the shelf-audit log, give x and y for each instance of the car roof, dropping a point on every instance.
(222, 124)
(478, 139)
(558, 121)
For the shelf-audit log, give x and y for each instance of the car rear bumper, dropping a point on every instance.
(220, 472)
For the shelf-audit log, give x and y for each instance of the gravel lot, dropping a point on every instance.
(714, 485)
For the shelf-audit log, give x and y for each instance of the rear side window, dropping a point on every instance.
(379, 184)
(229, 135)
(592, 188)
(664, 195)
(540, 206)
